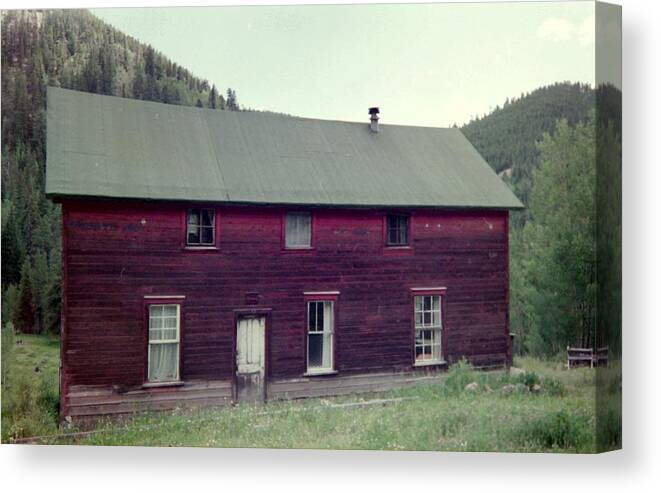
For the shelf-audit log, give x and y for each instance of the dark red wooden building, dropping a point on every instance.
(212, 256)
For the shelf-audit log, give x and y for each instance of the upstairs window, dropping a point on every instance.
(397, 230)
(428, 326)
(298, 230)
(164, 339)
(201, 227)
(320, 336)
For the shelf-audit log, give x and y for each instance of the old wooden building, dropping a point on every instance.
(215, 256)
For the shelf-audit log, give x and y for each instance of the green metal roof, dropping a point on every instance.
(106, 146)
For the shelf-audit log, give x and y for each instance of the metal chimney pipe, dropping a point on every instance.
(374, 119)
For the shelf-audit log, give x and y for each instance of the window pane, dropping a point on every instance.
(403, 230)
(427, 302)
(169, 310)
(193, 228)
(315, 350)
(312, 316)
(207, 217)
(436, 352)
(163, 361)
(328, 316)
(418, 303)
(297, 230)
(320, 316)
(207, 236)
(194, 217)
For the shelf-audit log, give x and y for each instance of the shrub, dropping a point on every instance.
(460, 374)
(528, 379)
(554, 387)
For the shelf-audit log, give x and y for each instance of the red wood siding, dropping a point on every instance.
(116, 253)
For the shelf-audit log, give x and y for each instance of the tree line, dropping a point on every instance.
(74, 50)
(559, 149)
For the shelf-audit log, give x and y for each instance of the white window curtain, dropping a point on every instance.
(163, 343)
(298, 230)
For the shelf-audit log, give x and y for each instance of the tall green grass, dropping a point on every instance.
(30, 394)
(501, 414)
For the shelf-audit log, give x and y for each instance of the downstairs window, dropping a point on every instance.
(164, 336)
(428, 327)
(320, 336)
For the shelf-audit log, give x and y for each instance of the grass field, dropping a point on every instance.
(30, 393)
(444, 416)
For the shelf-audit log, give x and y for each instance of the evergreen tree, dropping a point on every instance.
(25, 312)
(12, 254)
(212, 97)
(231, 102)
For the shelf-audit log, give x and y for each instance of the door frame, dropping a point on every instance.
(256, 312)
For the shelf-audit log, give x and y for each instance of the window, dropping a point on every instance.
(298, 230)
(200, 227)
(428, 326)
(163, 358)
(397, 230)
(320, 336)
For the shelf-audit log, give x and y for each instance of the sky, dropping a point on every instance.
(422, 64)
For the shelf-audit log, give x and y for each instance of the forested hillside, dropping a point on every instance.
(544, 145)
(508, 136)
(75, 50)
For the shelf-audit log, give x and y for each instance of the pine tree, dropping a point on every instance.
(12, 254)
(25, 313)
(231, 102)
(213, 94)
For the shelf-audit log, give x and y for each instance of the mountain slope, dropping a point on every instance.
(507, 137)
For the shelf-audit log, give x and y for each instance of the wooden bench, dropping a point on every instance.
(577, 357)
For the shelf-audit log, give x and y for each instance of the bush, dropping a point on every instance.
(554, 387)
(557, 430)
(460, 374)
(528, 379)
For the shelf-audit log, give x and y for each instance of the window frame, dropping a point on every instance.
(322, 297)
(298, 249)
(391, 248)
(148, 302)
(215, 229)
(439, 292)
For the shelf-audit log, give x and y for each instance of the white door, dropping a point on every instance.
(250, 384)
